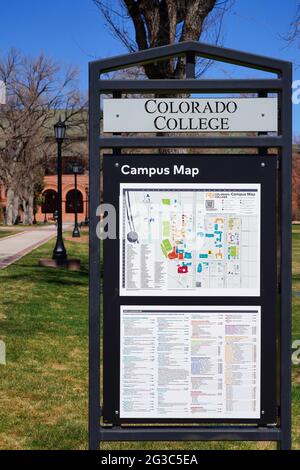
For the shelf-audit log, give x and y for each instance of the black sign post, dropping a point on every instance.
(271, 171)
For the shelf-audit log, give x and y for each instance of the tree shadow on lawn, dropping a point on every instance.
(31, 272)
(80, 280)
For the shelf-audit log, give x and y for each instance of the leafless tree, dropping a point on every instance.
(161, 22)
(37, 90)
(294, 30)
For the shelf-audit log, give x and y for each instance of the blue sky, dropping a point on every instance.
(73, 32)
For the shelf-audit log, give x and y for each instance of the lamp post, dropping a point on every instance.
(76, 231)
(86, 205)
(34, 221)
(34, 217)
(59, 252)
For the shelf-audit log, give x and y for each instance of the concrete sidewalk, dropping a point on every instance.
(16, 246)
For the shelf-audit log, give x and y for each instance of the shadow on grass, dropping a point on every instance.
(62, 278)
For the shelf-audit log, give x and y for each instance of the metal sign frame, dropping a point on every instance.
(225, 169)
(281, 432)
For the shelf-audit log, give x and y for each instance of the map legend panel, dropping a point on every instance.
(190, 362)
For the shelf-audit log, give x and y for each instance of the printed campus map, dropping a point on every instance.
(190, 239)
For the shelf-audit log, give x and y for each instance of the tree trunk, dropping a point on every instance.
(28, 210)
(15, 209)
(25, 212)
(9, 207)
(1, 214)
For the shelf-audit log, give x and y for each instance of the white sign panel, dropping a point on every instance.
(2, 92)
(190, 362)
(189, 239)
(190, 115)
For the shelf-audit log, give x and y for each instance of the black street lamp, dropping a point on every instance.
(59, 252)
(34, 212)
(76, 232)
(86, 205)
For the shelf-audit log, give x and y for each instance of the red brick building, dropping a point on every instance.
(74, 153)
(45, 211)
(49, 194)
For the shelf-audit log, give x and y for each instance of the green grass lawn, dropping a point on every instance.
(43, 321)
(6, 233)
(296, 334)
(43, 387)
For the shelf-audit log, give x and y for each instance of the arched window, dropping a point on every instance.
(49, 205)
(70, 202)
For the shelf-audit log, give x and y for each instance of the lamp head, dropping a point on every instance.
(77, 169)
(60, 130)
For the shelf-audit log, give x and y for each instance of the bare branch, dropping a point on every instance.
(161, 22)
(294, 31)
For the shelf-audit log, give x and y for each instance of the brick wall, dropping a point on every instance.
(68, 183)
(50, 182)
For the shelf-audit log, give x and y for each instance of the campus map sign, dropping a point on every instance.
(190, 227)
(195, 314)
(190, 115)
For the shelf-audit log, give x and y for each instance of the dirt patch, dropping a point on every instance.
(12, 441)
(57, 366)
(82, 239)
(76, 353)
